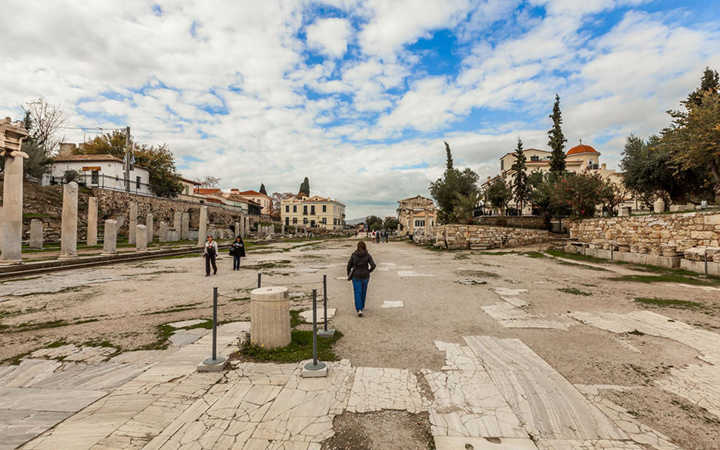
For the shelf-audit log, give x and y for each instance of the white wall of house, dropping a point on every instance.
(111, 174)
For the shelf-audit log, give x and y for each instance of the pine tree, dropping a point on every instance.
(520, 182)
(557, 140)
(710, 83)
(304, 188)
(449, 156)
(262, 189)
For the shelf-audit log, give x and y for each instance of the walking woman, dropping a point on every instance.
(359, 267)
(210, 253)
(237, 250)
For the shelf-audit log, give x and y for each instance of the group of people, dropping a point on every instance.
(359, 267)
(382, 236)
(210, 252)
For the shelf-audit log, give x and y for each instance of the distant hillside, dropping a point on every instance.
(355, 221)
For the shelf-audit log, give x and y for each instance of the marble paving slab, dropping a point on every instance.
(413, 274)
(307, 315)
(598, 444)
(375, 389)
(19, 426)
(51, 400)
(186, 323)
(546, 403)
(463, 443)
(511, 316)
(393, 304)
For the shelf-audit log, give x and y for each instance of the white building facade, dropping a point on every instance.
(99, 171)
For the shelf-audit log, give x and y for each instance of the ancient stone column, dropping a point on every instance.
(270, 317)
(163, 232)
(177, 224)
(282, 229)
(132, 222)
(185, 226)
(659, 205)
(246, 228)
(141, 238)
(202, 226)
(92, 218)
(68, 234)
(237, 229)
(11, 214)
(36, 233)
(150, 228)
(110, 237)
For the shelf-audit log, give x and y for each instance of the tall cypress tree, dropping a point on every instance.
(262, 189)
(305, 188)
(520, 182)
(557, 140)
(710, 83)
(448, 153)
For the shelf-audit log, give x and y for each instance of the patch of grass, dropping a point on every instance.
(299, 349)
(268, 265)
(184, 255)
(667, 278)
(489, 253)
(30, 326)
(162, 336)
(15, 360)
(576, 256)
(461, 256)
(668, 302)
(175, 308)
(582, 266)
(295, 319)
(239, 299)
(36, 216)
(20, 279)
(574, 291)
(534, 254)
(56, 344)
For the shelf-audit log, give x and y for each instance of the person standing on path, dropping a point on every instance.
(210, 253)
(237, 250)
(359, 267)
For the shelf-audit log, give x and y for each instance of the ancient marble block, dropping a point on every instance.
(140, 238)
(202, 226)
(68, 235)
(110, 237)
(92, 218)
(270, 317)
(150, 227)
(132, 222)
(11, 220)
(36, 233)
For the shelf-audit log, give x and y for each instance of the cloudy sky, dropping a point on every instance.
(357, 96)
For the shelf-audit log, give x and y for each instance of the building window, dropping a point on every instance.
(312, 210)
(294, 208)
(312, 224)
(419, 223)
(324, 208)
(534, 158)
(305, 210)
(95, 176)
(137, 182)
(287, 208)
(324, 221)
(305, 221)
(294, 220)
(502, 164)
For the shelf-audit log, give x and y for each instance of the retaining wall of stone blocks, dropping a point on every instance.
(482, 237)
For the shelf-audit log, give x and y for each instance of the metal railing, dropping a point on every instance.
(101, 181)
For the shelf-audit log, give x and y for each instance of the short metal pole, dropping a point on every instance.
(259, 280)
(325, 296)
(214, 338)
(315, 354)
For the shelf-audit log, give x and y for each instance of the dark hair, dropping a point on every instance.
(362, 248)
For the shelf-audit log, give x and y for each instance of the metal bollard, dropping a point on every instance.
(315, 368)
(213, 363)
(259, 280)
(325, 332)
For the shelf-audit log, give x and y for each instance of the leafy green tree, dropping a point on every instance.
(579, 193)
(391, 223)
(498, 194)
(374, 223)
(465, 205)
(520, 186)
(611, 195)
(38, 156)
(454, 182)
(540, 196)
(304, 188)
(557, 140)
(159, 161)
(262, 189)
(710, 83)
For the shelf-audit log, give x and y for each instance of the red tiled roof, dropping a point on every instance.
(207, 191)
(100, 157)
(253, 193)
(582, 148)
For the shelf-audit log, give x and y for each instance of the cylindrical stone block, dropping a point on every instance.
(110, 237)
(177, 224)
(11, 220)
(68, 235)
(140, 238)
(132, 222)
(185, 226)
(150, 228)
(270, 317)
(36, 233)
(163, 232)
(92, 217)
(202, 226)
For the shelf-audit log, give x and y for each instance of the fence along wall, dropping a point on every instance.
(483, 237)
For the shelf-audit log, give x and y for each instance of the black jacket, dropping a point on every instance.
(360, 265)
(238, 249)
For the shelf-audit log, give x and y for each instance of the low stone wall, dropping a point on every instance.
(534, 222)
(649, 233)
(482, 237)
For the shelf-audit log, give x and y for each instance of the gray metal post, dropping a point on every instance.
(325, 332)
(259, 280)
(315, 355)
(214, 339)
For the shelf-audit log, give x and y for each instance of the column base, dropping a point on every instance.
(67, 256)
(312, 371)
(212, 365)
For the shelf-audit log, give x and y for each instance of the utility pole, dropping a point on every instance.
(127, 159)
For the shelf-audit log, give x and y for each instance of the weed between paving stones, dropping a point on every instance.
(574, 291)
(668, 302)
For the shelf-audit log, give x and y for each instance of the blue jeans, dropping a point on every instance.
(360, 289)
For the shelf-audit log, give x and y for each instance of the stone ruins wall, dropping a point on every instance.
(689, 240)
(535, 222)
(482, 237)
(682, 230)
(114, 204)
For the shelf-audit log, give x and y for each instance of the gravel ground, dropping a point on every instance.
(126, 303)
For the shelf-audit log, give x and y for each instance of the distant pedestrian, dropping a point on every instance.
(359, 267)
(210, 253)
(387, 236)
(377, 237)
(237, 250)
